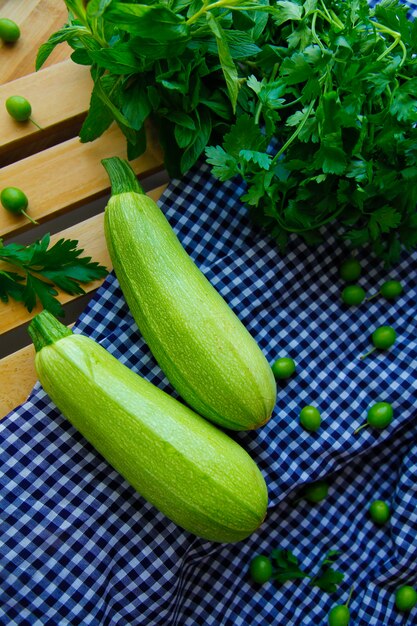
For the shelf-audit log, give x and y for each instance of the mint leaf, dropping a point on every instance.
(70, 34)
(120, 59)
(98, 119)
(194, 150)
(151, 22)
(228, 66)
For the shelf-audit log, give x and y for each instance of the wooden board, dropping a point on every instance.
(37, 20)
(60, 175)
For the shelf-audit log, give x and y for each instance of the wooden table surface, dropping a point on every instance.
(64, 180)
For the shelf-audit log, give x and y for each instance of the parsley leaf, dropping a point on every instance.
(328, 579)
(286, 566)
(42, 268)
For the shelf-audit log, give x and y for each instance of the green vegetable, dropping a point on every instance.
(283, 565)
(328, 579)
(314, 492)
(350, 270)
(190, 470)
(9, 30)
(310, 418)
(19, 108)
(382, 338)
(352, 295)
(339, 615)
(405, 598)
(283, 368)
(41, 268)
(379, 512)
(311, 103)
(286, 566)
(200, 344)
(260, 569)
(379, 416)
(390, 290)
(15, 201)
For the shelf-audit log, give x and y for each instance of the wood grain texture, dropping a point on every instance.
(68, 175)
(17, 378)
(37, 21)
(59, 96)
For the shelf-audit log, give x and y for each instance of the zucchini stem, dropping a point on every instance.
(122, 177)
(45, 330)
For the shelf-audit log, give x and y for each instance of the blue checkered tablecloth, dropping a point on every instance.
(78, 546)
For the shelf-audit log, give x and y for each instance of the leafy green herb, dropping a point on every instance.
(327, 578)
(286, 566)
(311, 102)
(42, 268)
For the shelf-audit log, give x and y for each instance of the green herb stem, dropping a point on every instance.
(205, 9)
(35, 123)
(326, 10)
(295, 133)
(260, 104)
(29, 217)
(363, 356)
(314, 33)
(360, 428)
(397, 41)
(349, 597)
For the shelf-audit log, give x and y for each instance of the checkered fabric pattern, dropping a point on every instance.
(78, 546)
(412, 5)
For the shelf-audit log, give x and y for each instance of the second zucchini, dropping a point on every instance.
(203, 348)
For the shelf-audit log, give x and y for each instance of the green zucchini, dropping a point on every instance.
(189, 469)
(205, 351)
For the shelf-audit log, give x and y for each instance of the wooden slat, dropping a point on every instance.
(17, 376)
(37, 21)
(59, 96)
(68, 175)
(90, 236)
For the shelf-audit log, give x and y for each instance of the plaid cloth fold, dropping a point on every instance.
(78, 546)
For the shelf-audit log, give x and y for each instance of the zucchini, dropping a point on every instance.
(189, 469)
(205, 351)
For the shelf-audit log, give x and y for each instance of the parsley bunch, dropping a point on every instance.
(311, 102)
(335, 96)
